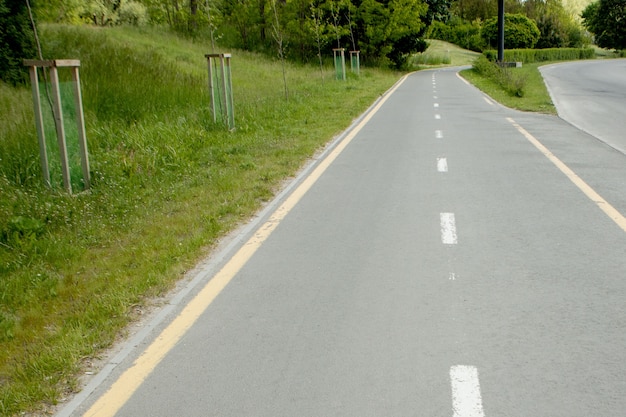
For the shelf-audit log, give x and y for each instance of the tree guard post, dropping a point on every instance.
(340, 63)
(59, 122)
(221, 89)
(355, 63)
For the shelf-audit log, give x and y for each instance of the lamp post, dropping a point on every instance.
(500, 32)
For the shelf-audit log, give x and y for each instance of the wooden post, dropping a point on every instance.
(57, 114)
(340, 63)
(221, 100)
(43, 156)
(80, 121)
(58, 121)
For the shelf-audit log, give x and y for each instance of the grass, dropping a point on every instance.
(444, 53)
(535, 94)
(167, 183)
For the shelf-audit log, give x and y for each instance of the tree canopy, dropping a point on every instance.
(519, 31)
(606, 19)
(17, 41)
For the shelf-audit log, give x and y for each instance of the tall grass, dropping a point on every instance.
(166, 184)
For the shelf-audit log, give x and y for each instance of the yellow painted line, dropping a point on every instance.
(604, 205)
(122, 389)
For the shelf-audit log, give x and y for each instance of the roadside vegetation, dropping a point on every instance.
(168, 182)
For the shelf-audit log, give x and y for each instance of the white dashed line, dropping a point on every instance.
(466, 398)
(438, 134)
(436, 105)
(442, 165)
(437, 116)
(448, 229)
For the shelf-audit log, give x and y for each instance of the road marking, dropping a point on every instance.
(437, 116)
(448, 228)
(488, 101)
(442, 165)
(466, 398)
(608, 209)
(124, 387)
(438, 134)
(462, 79)
(435, 97)
(436, 105)
(452, 276)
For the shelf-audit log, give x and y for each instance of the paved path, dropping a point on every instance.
(447, 257)
(592, 96)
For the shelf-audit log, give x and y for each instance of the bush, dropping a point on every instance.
(133, 13)
(519, 31)
(542, 55)
(510, 82)
(458, 32)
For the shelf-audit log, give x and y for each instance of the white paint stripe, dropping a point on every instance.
(452, 276)
(442, 165)
(448, 229)
(462, 79)
(602, 204)
(438, 134)
(436, 105)
(435, 97)
(466, 398)
(437, 116)
(488, 101)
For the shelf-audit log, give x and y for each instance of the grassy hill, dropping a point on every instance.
(167, 184)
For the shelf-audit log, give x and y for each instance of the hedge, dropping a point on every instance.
(542, 55)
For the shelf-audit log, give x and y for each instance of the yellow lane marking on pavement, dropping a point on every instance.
(124, 387)
(607, 208)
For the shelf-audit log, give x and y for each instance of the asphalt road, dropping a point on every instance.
(445, 257)
(592, 96)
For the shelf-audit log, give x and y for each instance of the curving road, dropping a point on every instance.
(591, 95)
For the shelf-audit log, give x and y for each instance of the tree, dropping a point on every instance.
(519, 31)
(557, 26)
(438, 11)
(606, 19)
(17, 40)
(391, 30)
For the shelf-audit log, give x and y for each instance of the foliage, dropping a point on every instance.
(504, 77)
(536, 97)
(133, 13)
(606, 19)
(458, 32)
(543, 55)
(167, 183)
(472, 10)
(438, 11)
(519, 31)
(557, 25)
(17, 41)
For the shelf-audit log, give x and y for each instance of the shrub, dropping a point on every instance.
(542, 55)
(519, 31)
(133, 13)
(458, 32)
(506, 78)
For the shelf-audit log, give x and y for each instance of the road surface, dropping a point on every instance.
(445, 257)
(592, 96)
